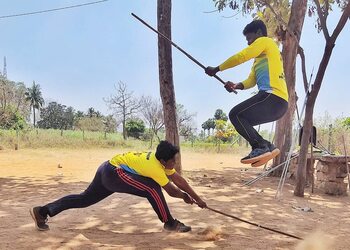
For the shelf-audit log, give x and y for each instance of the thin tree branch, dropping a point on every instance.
(232, 15)
(326, 13)
(328, 51)
(322, 18)
(212, 11)
(342, 21)
(303, 68)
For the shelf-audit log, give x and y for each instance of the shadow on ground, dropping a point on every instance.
(127, 222)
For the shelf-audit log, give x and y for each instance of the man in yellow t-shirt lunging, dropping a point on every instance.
(270, 103)
(141, 174)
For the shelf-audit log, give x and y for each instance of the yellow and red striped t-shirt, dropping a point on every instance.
(143, 163)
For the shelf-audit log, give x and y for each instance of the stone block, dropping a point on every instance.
(332, 188)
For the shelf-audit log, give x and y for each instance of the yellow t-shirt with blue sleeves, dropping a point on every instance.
(143, 163)
(267, 71)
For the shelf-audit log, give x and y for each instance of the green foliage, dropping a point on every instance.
(244, 6)
(11, 119)
(12, 102)
(220, 115)
(224, 131)
(346, 122)
(208, 124)
(53, 138)
(135, 127)
(263, 11)
(93, 113)
(56, 116)
(34, 97)
(260, 10)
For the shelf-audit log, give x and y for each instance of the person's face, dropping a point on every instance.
(251, 37)
(169, 164)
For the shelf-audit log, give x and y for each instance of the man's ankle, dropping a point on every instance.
(44, 211)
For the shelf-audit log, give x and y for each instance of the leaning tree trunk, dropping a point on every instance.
(289, 53)
(307, 125)
(330, 43)
(166, 76)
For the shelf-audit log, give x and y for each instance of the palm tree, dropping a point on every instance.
(205, 127)
(34, 96)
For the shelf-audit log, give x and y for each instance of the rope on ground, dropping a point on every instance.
(254, 224)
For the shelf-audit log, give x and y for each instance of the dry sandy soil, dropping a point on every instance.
(32, 177)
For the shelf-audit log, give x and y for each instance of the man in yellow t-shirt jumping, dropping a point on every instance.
(142, 174)
(270, 103)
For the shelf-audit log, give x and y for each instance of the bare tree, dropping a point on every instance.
(167, 92)
(123, 104)
(152, 112)
(185, 121)
(322, 12)
(183, 116)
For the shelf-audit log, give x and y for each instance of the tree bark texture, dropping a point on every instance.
(167, 91)
(284, 126)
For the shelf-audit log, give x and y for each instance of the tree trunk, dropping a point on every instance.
(124, 128)
(34, 116)
(302, 159)
(330, 43)
(166, 76)
(307, 126)
(289, 53)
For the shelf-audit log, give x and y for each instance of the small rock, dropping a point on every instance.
(303, 209)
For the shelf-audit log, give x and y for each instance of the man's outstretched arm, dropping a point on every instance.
(182, 184)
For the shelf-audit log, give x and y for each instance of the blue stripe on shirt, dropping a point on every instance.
(128, 169)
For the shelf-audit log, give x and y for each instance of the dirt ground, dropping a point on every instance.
(36, 177)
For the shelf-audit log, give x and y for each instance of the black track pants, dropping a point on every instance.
(109, 179)
(261, 108)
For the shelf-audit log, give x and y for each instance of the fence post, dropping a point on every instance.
(17, 140)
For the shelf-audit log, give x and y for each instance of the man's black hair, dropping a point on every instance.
(254, 27)
(166, 151)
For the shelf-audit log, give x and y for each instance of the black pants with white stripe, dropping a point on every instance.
(109, 179)
(261, 108)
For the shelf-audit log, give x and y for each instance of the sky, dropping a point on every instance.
(79, 55)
